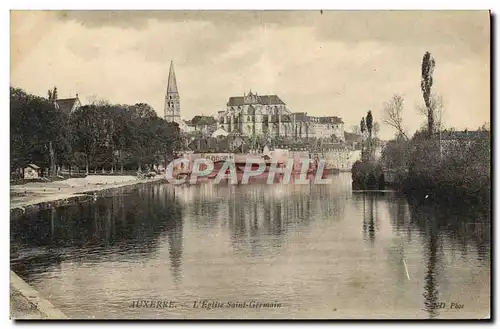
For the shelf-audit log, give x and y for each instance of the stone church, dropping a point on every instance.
(268, 115)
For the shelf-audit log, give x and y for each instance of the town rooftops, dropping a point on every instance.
(351, 137)
(456, 135)
(303, 117)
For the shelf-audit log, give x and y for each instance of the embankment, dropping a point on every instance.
(37, 196)
(28, 304)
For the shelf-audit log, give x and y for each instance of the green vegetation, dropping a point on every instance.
(100, 136)
(448, 166)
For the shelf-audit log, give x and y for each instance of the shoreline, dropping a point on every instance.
(34, 200)
(26, 303)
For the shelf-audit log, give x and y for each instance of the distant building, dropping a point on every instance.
(354, 141)
(66, 105)
(268, 115)
(206, 125)
(69, 105)
(31, 171)
(452, 139)
(220, 132)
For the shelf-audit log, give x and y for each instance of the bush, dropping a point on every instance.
(367, 175)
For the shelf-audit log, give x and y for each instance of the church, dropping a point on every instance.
(172, 109)
(253, 115)
(267, 115)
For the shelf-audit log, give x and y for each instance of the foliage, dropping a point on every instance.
(367, 175)
(34, 123)
(369, 123)
(426, 82)
(95, 136)
(449, 169)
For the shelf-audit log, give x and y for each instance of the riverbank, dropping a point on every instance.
(36, 196)
(27, 304)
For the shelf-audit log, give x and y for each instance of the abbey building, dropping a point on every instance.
(254, 115)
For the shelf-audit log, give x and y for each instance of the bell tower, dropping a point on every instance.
(172, 112)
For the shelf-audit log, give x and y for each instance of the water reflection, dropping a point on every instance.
(301, 244)
(464, 228)
(124, 225)
(256, 210)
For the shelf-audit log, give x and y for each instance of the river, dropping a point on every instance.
(257, 251)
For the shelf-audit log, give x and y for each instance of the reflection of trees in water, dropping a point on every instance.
(370, 214)
(259, 210)
(125, 224)
(430, 290)
(272, 210)
(368, 218)
(465, 228)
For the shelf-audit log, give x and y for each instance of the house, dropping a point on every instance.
(354, 141)
(32, 171)
(220, 132)
(68, 105)
(202, 124)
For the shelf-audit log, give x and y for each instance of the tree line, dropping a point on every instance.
(98, 136)
(437, 161)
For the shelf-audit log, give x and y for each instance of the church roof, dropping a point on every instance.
(172, 82)
(264, 100)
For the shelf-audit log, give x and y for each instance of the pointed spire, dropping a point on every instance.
(172, 82)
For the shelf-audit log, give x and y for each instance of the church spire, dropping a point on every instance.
(172, 112)
(172, 82)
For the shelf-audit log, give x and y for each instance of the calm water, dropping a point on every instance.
(321, 251)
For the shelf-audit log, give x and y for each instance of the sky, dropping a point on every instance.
(328, 63)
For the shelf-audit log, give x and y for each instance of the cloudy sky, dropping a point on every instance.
(330, 63)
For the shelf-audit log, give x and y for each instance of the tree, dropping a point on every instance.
(89, 132)
(362, 128)
(35, 124)
(369, 128)
(428, 64)
(437, 105)
(376, 130)
(393, 110)
(369, 123)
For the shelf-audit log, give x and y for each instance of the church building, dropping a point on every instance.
(268, 115)
(172, 112)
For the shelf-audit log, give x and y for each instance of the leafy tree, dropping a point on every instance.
(428, 64)
(35, 125)
(369, 123)
(369, 128)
